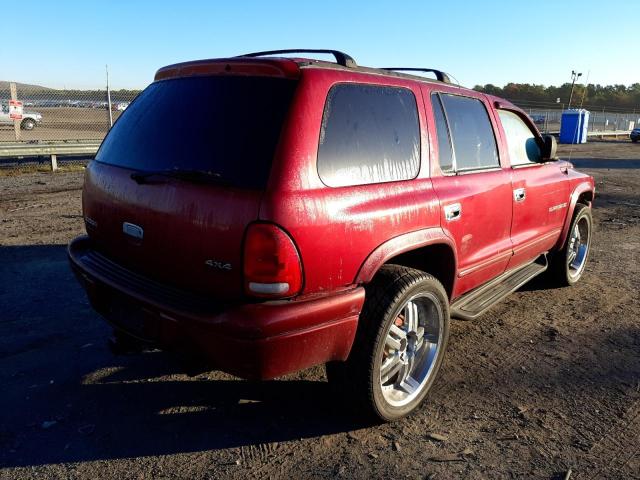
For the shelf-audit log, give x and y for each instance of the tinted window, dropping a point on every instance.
(227, 125)
(369, 134)
(523, 148)
(472, 134)
(445, 154)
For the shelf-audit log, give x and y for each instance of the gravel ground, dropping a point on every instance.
(545, 383)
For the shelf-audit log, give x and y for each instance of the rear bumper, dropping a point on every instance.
(259, 340)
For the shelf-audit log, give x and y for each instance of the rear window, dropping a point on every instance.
(226, 125)
(370, 134)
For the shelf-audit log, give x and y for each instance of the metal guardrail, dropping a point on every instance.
(595, 133)
(90, 147)
(607, 133)
(10, 151)
(16, 150)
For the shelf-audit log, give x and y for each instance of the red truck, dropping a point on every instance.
(309, 212)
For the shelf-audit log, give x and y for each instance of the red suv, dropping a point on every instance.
(273, 213)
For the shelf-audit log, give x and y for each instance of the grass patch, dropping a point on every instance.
(21, 170)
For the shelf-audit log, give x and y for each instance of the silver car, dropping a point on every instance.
(28, 122)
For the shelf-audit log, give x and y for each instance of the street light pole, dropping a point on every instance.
(574, 77)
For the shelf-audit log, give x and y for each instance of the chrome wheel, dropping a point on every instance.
(399, 347)
(578, 247)
(412, 346)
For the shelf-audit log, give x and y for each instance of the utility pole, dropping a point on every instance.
(574, 77)
(584, 91)
(109, 98)
(16, 122)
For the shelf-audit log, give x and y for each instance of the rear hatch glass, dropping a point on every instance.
(226, 125)
(189, 228)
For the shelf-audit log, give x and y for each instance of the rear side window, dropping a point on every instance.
(222, 124)
(474, 142)
(370, 134)
(445, 153)
(523, 148)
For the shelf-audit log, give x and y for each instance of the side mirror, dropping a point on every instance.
(550, 147)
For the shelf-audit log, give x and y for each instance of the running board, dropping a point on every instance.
(474, 303)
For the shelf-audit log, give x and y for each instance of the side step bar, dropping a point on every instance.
(474, 303)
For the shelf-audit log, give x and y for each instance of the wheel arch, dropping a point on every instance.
(584, 194)
(429, 250)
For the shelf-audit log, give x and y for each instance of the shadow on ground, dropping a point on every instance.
(598, 163)
(67, 399)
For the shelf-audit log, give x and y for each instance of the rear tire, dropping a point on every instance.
(567, 265)
(399, 347)
(28, 124)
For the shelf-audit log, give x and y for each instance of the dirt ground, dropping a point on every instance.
(546, 383)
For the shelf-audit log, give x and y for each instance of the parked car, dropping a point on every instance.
(28, 122)
(326, 213)
(635, 135)
(538, 119)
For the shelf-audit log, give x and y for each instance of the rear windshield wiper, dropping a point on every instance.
(194, 175)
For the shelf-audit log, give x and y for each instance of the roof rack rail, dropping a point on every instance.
(441, 76)
(341, 58)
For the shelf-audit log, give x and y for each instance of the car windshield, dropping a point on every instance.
(227, 125)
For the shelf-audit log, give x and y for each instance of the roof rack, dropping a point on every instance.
(441, 76)
(341, 58)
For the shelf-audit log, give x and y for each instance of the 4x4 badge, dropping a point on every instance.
(217, 264)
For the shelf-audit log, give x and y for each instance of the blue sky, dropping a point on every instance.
(66, 43)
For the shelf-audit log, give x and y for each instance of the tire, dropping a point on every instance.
(399, 347)
(566, 266)
(28, 124)
(634, 140)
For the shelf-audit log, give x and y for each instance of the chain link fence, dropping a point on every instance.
(72, 123)
(69, 123)
(601, 120)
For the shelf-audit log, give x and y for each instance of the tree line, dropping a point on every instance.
(619, 97)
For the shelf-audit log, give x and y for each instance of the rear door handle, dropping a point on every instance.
(519, 194)
(453, 211)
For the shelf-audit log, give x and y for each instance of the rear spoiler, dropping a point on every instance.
(246, 66)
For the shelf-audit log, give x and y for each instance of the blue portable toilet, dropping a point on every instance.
(574, 126)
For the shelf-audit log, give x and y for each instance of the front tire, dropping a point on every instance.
(567, 265)
(400, 344)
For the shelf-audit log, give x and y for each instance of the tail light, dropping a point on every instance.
(272, 267)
